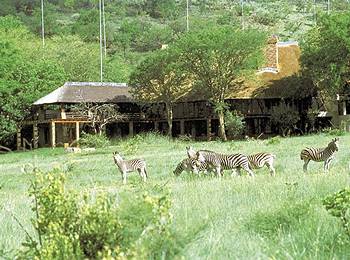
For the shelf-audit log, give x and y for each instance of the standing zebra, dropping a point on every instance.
(259, 160)
(325, 155)
(190, 165)
(221, 162)
(130, 166)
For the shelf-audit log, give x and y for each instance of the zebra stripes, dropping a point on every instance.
(126, 166)
(260, 160)
(325, 155)
(221, 162)
(190, 165)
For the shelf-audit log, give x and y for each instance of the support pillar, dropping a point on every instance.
(53, 134)
(209, 129)
(182, 127)
(193, 130)
(77, 131)
(156, 126)
(19, 141)
(35, 136)
(131, 128)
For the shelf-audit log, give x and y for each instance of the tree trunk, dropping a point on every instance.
(222, 133)
(169, 112)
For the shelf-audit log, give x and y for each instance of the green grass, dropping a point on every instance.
(278, 217)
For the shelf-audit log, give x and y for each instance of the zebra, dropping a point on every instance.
(126, 166)
(190, 165)
(221, 161)
(259, 160)
(325, 155)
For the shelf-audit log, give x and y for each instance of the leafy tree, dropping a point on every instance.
(218, 59)
(24, 76)
(326, 53)
(87, 25)
(159, 78)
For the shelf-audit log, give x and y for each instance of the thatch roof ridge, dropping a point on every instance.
(95, 92)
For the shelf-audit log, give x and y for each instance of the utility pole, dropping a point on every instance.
(187, 16)
(328, 7)
(101, 51)
(42, 23)
(104, 27)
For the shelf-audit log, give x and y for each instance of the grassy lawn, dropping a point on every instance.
(265, 217)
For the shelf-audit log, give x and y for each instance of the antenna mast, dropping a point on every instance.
(42, 23)
(101, 51)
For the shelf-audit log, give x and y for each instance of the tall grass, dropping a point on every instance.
(266, 217)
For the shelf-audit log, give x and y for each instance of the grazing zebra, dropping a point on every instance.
(126, 166)
(259, 160)
(320, 154)
(221, 162)
(190, 165)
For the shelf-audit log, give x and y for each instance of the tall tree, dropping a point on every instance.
(326, 54)
(159, 78)
(218, 59)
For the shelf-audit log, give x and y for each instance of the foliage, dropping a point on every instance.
(94, 225)
(274, 140)
(338, 205)
(285, 118)
(22, 81)
(218, 59)
(234, 123)
(99, 114)
(159, 78)
(93, 140)
(326, 53)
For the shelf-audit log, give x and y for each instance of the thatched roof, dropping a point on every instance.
(276, 81)
(96, 92)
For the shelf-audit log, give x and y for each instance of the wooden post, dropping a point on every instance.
(182, 127)
(35, 136)
(156, 125)
(53, 135)
(209, 129)
(131, 128)
(19, 141)
(344, 108)
(193, 130)
(77, 131)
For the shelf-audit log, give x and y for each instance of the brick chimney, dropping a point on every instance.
(271, 52)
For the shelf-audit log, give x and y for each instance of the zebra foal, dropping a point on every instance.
(325, 155)
(260, 160)
(234, 162)
(190, 165)
(126, 166)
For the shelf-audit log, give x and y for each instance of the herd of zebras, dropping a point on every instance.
(204, 161)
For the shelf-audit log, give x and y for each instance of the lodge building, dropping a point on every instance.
(54, 122)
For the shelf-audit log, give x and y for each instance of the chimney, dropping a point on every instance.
(271, 52)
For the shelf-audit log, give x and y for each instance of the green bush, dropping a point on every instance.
(89, 226)
(338, 205)
(94, 140)
(285, 118)
(234, 123)
(273, 140)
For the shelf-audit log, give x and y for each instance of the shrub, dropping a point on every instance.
(94, 140)
(335, 132)
(234, 123)
(338, 205)
(274, 140)
(285, 118)
(88, 226)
